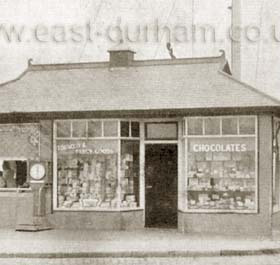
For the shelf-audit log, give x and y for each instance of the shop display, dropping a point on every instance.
(88, 181)
(87, 174)
(221, 180)
(88, 169)
(129, 174)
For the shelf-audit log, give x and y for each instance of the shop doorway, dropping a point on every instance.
(161, 185)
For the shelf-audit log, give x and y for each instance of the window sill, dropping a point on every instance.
(97, 209)
(15, 190)
(217, 211)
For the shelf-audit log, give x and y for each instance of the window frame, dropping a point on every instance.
(16, 189)
(118, 138)
(186, 137)
(161, 139)
(276, 206)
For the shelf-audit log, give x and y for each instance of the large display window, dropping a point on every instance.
(221, 164)
(96, 165)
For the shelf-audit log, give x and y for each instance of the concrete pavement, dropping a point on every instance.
(146, 243)
(236, 260)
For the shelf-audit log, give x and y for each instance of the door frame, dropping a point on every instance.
(180, 168)
(160, 142)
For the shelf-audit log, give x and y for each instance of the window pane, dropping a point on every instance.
(87, 174)
(129, 174)
(247, 125)
(13, 173)
(94, 129)
(212, 126)
(229, 125)
(195, 127)
(110, 128)
(135, 131)
(161, 131)
(79, 128)
(63, 128)
(221, 174)
(124, 128)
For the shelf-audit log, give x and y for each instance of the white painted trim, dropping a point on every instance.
(100, 209)
(119, 169)
(142, 167)
(161, 142)
(276, 207)
(220, 136)
(14, 189)
(256, 164)
(54, 167)
(180, 183)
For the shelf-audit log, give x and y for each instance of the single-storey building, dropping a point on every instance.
(128, 144)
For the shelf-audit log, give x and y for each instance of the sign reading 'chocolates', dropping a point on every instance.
(219, 147)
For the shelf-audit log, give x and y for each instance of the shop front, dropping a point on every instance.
(136, 173)
(196, 150)
(160, 173)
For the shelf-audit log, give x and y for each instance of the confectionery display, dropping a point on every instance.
(87, 181)
(221, 180)
(129, 174)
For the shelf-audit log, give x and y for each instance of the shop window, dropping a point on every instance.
(195, 126)
(124, 128)
(229, 126)
(221, 174)
(110, 128)
(247, 125)
(13, 173)
(87, 174)
(157, 131)
(63, 128)
(94, 129)
(129, 174)
(135, 130)
(212, 126)
(221, 171)
(79, 128)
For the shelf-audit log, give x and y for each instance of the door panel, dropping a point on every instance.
(161, 185)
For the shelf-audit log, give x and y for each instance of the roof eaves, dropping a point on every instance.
(67, 66)
(253, 89)
(200, 60)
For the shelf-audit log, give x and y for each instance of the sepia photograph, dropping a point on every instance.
(139, 132)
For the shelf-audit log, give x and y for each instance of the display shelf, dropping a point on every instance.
(221, 211)
(221, 178)
(221, 191)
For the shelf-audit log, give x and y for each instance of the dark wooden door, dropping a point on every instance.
(161, 185)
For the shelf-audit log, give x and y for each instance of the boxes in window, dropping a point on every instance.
(89, 203)
(200, 156)
(222, 156)
(217, 169)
